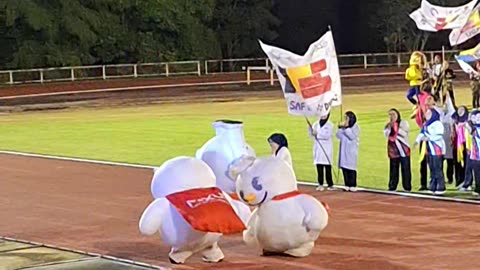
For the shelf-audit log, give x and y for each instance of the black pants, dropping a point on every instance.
(476, 173)
(395, 164)
(459, 169)
(328, 174)
(350, 177)
(450, 170)
(437, 181)
(475, 99)
(423, 171)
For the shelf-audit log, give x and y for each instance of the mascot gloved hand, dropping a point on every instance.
(284, 221)
(221, 151)
(190, 212)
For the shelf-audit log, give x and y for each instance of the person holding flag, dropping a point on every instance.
(322, 132)
(432, 135)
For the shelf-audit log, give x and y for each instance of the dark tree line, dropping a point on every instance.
(39, 33)
(42, 33)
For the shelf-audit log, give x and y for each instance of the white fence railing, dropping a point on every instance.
(198, 68)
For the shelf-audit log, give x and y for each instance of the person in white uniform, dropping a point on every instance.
(279, 144)
(322, 134)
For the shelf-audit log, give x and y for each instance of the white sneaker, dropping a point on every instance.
(320, 188)
(347, 189)
(475, 194)
(330, 188)
(353, 189)
(439, 192)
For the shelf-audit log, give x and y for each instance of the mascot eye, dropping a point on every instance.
(256, 185)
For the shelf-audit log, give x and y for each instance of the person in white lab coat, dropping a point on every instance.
(279, 144)
(322, 134)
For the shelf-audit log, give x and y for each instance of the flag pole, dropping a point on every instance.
(341, 116)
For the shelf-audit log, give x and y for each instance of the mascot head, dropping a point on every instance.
(262, 179)
(180, 174)
(418, 59)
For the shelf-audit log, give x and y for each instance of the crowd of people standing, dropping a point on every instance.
(449, 135)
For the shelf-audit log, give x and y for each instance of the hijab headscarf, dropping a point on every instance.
(279, 139)
(435, 117)
(352, 119)
(463, 118)
(322, 122)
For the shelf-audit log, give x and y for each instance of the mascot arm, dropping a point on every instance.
(242, 210)
(316, 216)
(151, 220)
(249, 235)
(408, 74)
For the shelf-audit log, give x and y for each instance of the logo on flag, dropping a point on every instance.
(436, 18)
(471, 29)
(311, 83)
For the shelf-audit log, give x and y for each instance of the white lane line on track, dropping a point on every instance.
(139, 166)
(90, 254)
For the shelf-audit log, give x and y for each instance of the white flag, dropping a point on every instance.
(436, 18)
(469, 30)
(311, 83)
(467, 68)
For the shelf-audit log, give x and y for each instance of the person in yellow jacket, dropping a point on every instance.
(414, 75)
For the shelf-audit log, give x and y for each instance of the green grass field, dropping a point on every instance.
(152, 134)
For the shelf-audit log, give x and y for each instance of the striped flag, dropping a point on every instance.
(311, 83)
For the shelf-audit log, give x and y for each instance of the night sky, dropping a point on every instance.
(304, 21)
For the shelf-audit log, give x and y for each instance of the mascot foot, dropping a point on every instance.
(172, 261)
(179, 257)
(267, 253)
(213, 254)
(302, 251)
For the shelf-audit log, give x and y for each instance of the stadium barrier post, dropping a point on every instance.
(272, 82)
(104, 72)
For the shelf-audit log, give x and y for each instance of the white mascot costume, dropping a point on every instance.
(285, 221)
(223, 150)
(190, 212)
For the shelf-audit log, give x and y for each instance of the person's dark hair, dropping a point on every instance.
(352, 118)
(279, 139)
(399, 117)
